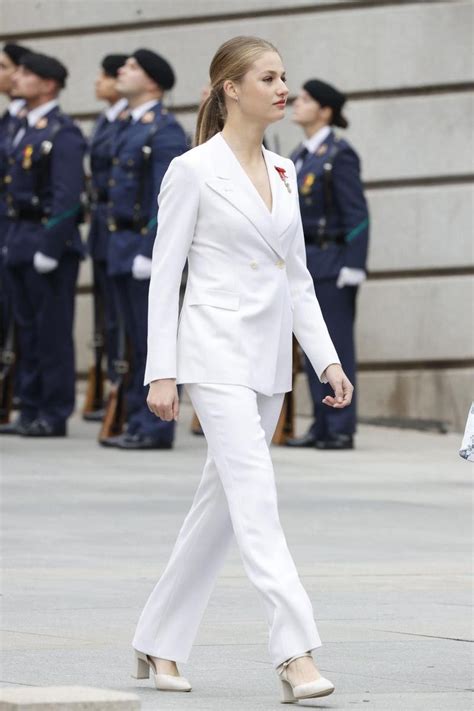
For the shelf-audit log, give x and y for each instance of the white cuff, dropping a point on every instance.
(44, 264)
(350, 277)
(141, 267)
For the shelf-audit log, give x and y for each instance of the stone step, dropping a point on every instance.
(66, 698)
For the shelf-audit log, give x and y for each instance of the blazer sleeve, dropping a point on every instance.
(178, 208)
(309, 326)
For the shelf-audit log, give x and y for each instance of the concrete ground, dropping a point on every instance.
(381, 537)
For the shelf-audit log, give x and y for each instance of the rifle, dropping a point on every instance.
(114, 418)
(94, 403)
(286, 424)
(196, 428)
(7, 362)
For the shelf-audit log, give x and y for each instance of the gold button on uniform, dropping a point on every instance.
(254, 265)
(280, 264)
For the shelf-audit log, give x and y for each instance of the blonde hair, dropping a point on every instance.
(231, 61)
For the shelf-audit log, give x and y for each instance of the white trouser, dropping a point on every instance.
(237, 494)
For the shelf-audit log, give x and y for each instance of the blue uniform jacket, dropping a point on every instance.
(101, 153)
(8, 127)
(51, 186)
(135, 182)
(349, 215)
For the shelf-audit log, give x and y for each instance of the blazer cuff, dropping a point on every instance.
(322, 377)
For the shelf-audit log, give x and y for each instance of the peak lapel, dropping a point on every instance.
(234, 185)
(284, 202)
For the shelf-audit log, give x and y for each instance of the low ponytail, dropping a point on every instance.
(211, 117)
(231, 61)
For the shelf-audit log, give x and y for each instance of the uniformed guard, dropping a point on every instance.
(100, 154)
(43, 246)
(9, 60)
(9, 369)
(147, 142)
(336, 229)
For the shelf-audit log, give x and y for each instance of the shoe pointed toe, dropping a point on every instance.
(319, 687)
(169, 682)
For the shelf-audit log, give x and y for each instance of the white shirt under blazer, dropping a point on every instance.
(248, 288)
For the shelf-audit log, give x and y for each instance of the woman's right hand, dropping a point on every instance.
(163, 400)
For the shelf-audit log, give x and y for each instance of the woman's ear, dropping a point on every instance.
(229, 90)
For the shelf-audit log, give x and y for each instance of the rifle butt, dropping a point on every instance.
(6, 396)
(114, 418)
(94, 400)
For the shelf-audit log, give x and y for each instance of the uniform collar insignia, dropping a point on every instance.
(148, 117)
(42, 123)
(322, 149)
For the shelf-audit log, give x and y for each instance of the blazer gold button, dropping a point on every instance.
(280, 264)
(254, 265)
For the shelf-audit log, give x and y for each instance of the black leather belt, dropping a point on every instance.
(115, 224)
(32, 214)
(323, 240)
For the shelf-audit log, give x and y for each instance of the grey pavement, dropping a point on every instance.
(381, 537)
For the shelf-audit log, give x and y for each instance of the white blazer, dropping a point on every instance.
(248, 287)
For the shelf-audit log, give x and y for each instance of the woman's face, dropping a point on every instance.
(105, 87)
(262, 93)
(7, 69)
(306, 111)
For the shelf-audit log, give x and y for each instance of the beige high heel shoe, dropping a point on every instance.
(291, 694)
(163, 682)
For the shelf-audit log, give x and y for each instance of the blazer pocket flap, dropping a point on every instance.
(214, 297)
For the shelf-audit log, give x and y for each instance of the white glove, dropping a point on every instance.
(141, 267)
(44, 264)
(350, 277)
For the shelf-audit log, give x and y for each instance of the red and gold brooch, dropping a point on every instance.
(282, 173)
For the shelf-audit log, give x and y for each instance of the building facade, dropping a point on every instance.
(408, 71)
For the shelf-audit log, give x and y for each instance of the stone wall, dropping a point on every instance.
(408, 70)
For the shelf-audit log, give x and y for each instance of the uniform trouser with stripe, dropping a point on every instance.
(236, 496)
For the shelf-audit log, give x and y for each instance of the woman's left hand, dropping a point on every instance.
(341, 385)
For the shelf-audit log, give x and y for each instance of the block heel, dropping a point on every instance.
(287, 695)
(141, 667)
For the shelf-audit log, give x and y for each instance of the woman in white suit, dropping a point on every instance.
(230, 207)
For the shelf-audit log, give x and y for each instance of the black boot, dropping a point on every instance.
(336, 441)
(307, 440)
(42, 428)
(17, 427)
